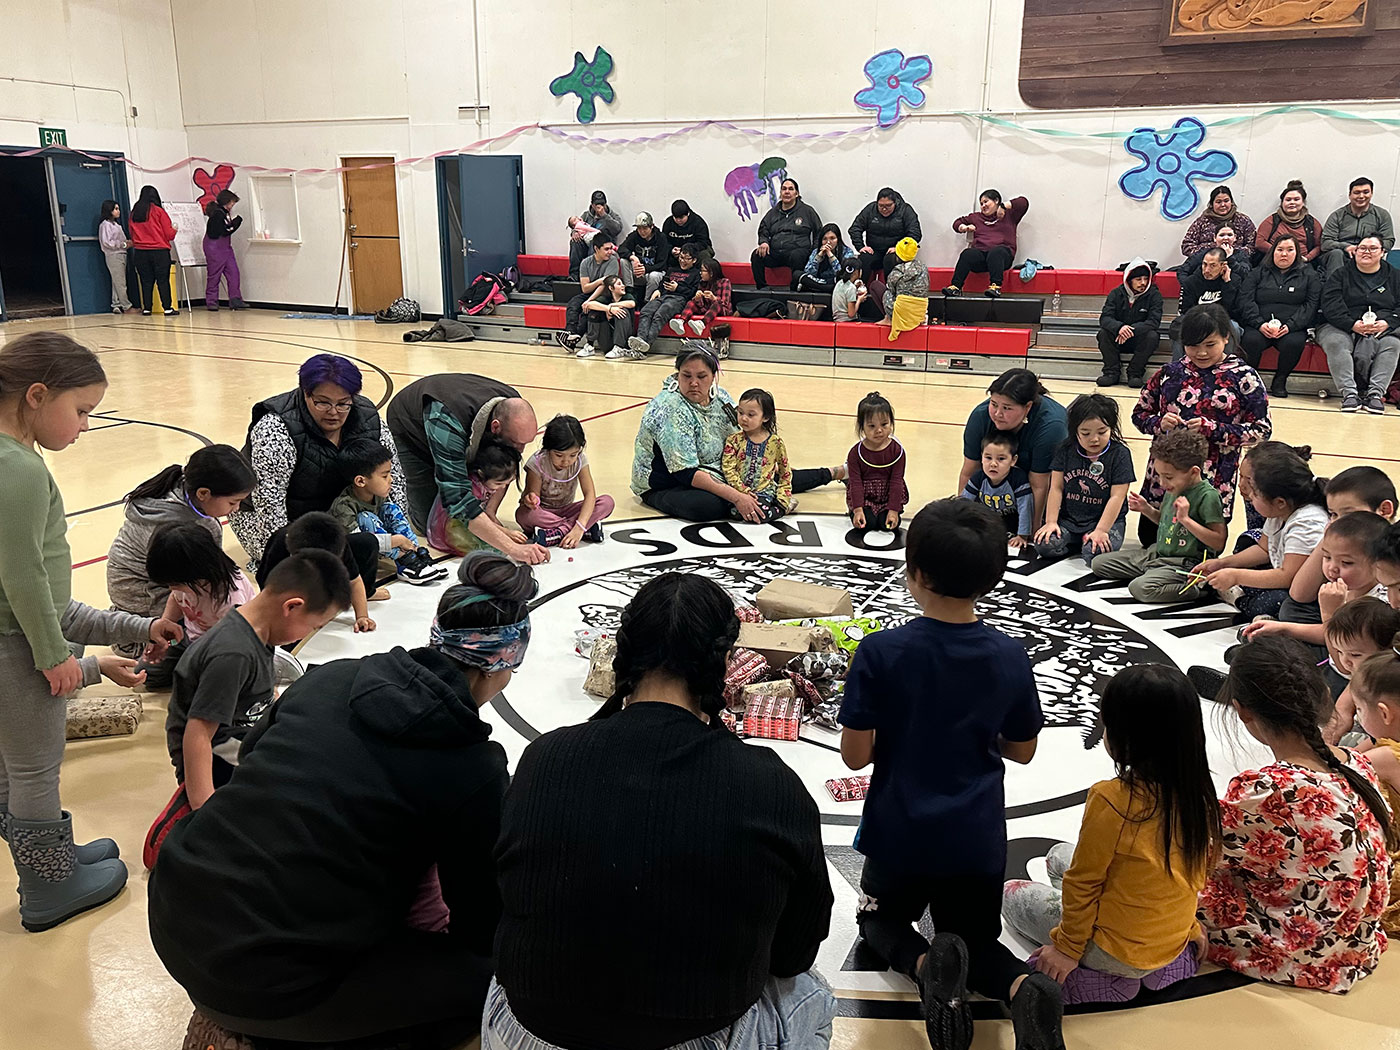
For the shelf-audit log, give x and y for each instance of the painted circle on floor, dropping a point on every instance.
(1075, 638)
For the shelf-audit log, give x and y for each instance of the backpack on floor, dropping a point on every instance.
(764, 307)
(400, 311)
(486, 292)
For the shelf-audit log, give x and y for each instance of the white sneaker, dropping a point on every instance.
(637, 343)
(586, 350)
(677, 326)
(697, 326)
(625, 353)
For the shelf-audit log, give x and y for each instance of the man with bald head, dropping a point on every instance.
(438, 423)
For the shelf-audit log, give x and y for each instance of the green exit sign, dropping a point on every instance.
(53, 137)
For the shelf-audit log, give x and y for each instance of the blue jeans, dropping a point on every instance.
(793, 1013)
(1069, 541)
(373, 524)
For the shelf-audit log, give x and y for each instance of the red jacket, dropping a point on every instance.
(156, 232)
(989, 233)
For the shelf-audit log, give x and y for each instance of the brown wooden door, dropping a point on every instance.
(372, 232)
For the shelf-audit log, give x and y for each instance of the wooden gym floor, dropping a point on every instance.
(95, 984)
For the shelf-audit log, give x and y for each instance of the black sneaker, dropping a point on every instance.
(1139, 380)
(952, 289)
(1277, 389)
(1037, 1014)
(1109, 379)
(993, 292)
(1208, 682)
(943, 989)
(594, 533)
(418, 568)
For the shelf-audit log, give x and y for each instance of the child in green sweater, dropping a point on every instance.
(49, 386)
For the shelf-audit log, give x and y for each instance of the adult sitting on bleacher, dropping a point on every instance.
(1018, 404)
(601, 218)
(1130, 323)
(648, 251)
(992, 229)
(786, 236)
(679, 287)
(1211, 285)
(1221, 211)
(1278, 302)
(592, 272)
(1237, 255)
(1361, 306)
(686, 227)
(882, 224)
(823, 268)
(1291, 219)
(1360, 217)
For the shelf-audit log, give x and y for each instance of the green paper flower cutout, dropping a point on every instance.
(587, 80)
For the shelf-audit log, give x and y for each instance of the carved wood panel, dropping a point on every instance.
(1214, 21)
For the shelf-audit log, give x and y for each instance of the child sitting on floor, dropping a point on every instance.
(553, 477)
(317, 530)
(1294, 507)
(1376, 689)
(204, 583)
(1120, 910)
(1359, 630)
(1190, 525)
(875, 491)
(1003, 486)
(223, 683)
(365, 506)
(1087, 509)
(933, 830)
(755, 460)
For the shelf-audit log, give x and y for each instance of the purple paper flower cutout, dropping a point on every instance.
(1170, 160)
(893, 80)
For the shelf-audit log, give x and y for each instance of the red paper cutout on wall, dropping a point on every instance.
(212, 185)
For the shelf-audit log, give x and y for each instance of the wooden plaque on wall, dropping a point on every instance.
(1089, 53)
(1217, 21)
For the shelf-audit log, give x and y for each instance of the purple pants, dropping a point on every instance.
(557, 521)
(218, 254)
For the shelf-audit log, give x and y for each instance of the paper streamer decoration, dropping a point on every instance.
(587, 80)
(1170, 160)
(893, 85)
(210, 186)
(744, 185)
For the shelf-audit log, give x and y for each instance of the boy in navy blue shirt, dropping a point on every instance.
(937, 704)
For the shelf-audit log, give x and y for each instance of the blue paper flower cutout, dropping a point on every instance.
(1170, 160)
(587, 80)
(893, 80)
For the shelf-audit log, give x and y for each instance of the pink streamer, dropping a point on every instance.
(479, 144)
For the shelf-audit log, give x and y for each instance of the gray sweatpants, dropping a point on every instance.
(33, 724)
(116, 267)
(1359, 360)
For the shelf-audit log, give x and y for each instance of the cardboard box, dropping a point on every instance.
(785, 599)
(773, 717)
(750, 694)
(775, 642)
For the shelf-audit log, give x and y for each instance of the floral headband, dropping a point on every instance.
(488, 649)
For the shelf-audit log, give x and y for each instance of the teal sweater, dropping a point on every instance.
(36, 575)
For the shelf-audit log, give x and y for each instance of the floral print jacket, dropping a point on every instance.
(1298, 895)
(1230, 401)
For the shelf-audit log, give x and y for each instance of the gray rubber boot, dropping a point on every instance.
(88, 852)
(53, 886)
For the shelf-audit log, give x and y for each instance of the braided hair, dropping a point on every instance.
(1277, 681)
(681, 625)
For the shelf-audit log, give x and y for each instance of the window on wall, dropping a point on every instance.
(275, 215)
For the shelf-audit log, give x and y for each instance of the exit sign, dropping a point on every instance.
(53, 137)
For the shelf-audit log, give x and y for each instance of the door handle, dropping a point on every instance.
(353, 227)
(354, 244)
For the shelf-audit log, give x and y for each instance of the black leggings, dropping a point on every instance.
(875, 262)
(1290, 350)
(425, 988)
(153, 271)
(966, 905)
(993, 262)
(365, 547)
(692, 504)
(794, 260)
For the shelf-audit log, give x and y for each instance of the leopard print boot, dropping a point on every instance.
(53, 886)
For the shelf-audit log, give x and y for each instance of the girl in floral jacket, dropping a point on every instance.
(1299, 893)
(1210, 391)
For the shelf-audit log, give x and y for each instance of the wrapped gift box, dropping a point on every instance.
(775, 642)
(848, 789)
(785, 599)
(94, 716)
(774, 717)
(745, 666)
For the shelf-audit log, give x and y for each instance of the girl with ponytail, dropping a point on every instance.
(616, 830)
(1299, 894)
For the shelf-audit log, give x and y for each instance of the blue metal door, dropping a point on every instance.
(79, 186)
(491, 197)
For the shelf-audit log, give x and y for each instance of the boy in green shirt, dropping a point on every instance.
(1189, 530)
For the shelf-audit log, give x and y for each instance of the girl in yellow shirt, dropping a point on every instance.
(1120, 912)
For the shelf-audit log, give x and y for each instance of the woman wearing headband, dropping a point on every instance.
(676, 459)
(283, 906)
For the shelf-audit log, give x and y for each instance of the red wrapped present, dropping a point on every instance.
(848, 789)
(773, 717)
(748, 614)
(745, 667)
(806, 690)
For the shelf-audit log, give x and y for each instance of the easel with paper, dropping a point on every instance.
(189, 221)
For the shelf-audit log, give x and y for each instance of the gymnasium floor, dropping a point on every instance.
(95, 982)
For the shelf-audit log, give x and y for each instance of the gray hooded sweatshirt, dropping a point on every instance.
(128, 586)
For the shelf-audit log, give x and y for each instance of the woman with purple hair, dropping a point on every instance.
(294, 441)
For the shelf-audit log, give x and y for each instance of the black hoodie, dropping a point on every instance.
(1144, 313)
(881, 233)
(1348, 293)
(361, 777)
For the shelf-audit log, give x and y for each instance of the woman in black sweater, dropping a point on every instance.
(306, 900)
(1361, 336)
(661, 881)
(1278, 304)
